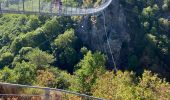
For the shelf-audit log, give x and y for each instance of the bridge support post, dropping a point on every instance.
(23, 5)
(0, 8)
(39, 6)
(47, 94)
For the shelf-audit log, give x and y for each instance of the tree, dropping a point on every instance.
(25, 50)
(46, 78)
(165, 7)
(7, 75)
(152, 87)
(52, 28)
(133, 62)
(21, 56)
(67, 58)
(126, 85)
(90, 67)
(84, 50)
(25, 73)
(36, 38)
(166, 4)
(54, 78)
(17, 44)
(31, 39)
(6, 58)
(33, 22)
(68, 39)
(40, 58)
(164, 23)
(64, 51)
(119, 86)
(62, 78)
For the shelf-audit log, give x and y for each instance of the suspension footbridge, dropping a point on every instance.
(52, 7)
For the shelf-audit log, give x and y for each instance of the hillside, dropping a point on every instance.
(72, 53)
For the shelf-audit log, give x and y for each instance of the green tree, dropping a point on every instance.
(6, 58)
(33, 22)
(25, 73)
(64, 51)
(166, 5)
(21, 56)
(52, 28)
(133, 62)
(40, 58)
(68, 39)
(31, 39)
(90, 67)
(8, 75)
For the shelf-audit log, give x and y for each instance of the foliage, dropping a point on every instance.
(25, 73)
(41, 50)
(90, 67)
(150, 35)
(152, 87)
(7, 75)
(6, 58)
(64, 49)
(126, 85)
(39, 58)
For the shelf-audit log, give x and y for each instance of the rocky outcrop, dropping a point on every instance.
(94, 36)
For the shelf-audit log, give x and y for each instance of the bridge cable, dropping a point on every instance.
(102, 48)
(108, 43)
(100, 44)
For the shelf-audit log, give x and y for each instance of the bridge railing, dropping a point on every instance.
(21, 97)
(21, 92)
(49, 7)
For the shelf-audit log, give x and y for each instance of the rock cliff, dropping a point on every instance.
(94, 35)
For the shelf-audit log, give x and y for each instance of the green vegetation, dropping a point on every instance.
(149, 22)
(45, 51)
(126, 85)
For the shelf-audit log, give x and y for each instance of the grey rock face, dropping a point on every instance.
(94, 36)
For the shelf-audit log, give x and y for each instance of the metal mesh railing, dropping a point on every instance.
(21, 97)
(25, 92)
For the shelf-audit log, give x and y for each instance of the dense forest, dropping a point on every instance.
(46, 51)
